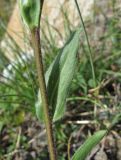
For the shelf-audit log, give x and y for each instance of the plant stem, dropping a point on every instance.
(35, 36)
(87, 39)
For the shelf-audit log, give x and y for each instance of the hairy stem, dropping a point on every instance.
(35, 36)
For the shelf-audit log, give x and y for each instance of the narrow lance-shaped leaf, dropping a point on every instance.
(59, 77)
(89, 144)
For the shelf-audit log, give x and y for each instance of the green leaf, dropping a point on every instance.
(59, 77)
(30, 12)
(89, 144)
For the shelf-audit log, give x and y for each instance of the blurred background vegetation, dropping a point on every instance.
(90, 107)
(6, 8)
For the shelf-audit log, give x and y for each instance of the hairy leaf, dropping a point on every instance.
(89, 144)
(59, 77)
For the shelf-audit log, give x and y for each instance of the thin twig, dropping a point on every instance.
(69, 147)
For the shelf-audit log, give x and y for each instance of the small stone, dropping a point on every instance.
(101, 155)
